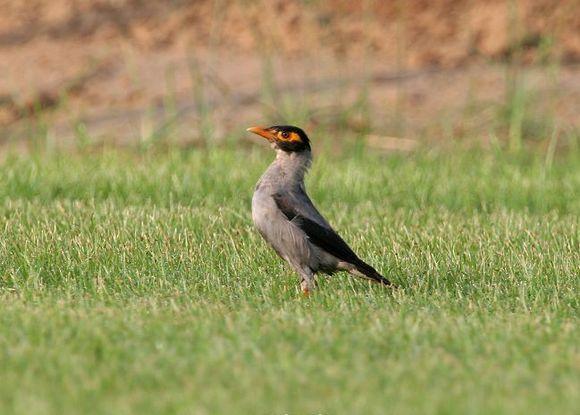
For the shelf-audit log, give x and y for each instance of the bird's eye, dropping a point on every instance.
(285, 134)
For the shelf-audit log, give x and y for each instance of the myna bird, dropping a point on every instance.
(287, 219)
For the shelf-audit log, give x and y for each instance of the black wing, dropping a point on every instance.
(298, 208)
(320, 235)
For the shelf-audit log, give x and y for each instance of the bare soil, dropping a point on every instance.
(119, 66)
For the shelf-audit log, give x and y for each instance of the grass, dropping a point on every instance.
(135, 283)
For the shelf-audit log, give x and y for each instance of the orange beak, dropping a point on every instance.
(264, 132)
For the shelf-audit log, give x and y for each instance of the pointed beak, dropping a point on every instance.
(262, 131)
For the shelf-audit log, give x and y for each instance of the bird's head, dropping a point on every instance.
(284, 137)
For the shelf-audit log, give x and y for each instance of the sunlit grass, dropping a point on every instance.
(137, 284)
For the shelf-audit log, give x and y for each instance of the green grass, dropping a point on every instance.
(136, 284)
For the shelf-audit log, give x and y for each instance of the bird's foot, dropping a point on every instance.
(307, 287)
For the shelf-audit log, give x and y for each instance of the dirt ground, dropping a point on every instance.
(120, 68)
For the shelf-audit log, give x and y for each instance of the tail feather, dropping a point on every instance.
(369, 272)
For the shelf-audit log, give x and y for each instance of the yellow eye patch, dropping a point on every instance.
(288, 136)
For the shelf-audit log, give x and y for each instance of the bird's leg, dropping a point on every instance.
(307, 282)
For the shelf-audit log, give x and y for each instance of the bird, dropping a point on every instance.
(286, 218)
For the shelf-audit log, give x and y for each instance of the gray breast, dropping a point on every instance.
(286, 239)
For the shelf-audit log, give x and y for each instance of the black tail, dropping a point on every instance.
(372, 274)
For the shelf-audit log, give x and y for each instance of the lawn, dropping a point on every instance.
(135, 283)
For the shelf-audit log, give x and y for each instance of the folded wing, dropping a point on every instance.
(300, 211)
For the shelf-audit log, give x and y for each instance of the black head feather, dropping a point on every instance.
(301, 144)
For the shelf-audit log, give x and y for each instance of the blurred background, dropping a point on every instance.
(394, 75)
